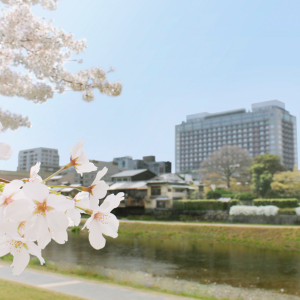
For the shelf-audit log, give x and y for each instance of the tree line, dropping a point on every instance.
(233, 167)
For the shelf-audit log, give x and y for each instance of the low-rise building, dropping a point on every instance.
(166, 188)
(133, 175)
(135, 192)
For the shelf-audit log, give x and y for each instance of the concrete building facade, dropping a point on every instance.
(148, 162)
(268, 128)
(48, 157)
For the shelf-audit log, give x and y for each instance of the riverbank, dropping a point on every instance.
(273, 237)
(199, 260)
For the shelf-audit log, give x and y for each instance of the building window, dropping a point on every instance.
(161, 204)
(155, 190)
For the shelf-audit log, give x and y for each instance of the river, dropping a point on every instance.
(195, 261)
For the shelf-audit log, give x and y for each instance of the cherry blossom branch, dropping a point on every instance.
(4, 180)
(55, 173)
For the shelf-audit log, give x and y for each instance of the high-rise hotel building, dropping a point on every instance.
(268, 128)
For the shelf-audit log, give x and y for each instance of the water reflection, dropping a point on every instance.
(185, 259)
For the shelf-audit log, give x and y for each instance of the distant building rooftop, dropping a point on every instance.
(129, 173)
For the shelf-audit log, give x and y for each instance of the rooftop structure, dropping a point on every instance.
(148, 162)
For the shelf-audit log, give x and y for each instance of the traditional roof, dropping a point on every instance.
(135, 185)
(129, 173)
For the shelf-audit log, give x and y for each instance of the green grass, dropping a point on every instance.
(275, 238)
(11, 291)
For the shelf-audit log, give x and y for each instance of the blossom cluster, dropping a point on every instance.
(34, 54)
(32, 214)
(244, 210)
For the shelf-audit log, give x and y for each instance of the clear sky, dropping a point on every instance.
(174, 58)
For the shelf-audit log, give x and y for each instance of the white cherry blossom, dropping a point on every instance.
(98, 189)
(11, 193)
(79, 160)
(49, 219)
(5, 149)
(33, 59)
(103, 222)
(21, 250)
(34, 170)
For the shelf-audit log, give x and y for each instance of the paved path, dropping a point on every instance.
(212, 224)
(87, 289)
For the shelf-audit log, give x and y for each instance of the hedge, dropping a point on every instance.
(281, 203)
(203, 204)
(246, 196)
(287, 211)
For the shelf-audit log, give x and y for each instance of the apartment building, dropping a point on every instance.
(48, 157)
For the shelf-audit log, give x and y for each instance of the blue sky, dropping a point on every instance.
(174, 58)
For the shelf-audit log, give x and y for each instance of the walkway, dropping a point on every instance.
(87, 289)
(211, 224)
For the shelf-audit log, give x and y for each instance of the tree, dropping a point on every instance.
(262, 170)
(287, 184)
(33, 57)
(227, 162)
(32, 213)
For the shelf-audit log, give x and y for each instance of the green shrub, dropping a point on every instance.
(281, 203)
(232, 203)
(200, 205)
(213, 195)
(246, 196)
(287, 211)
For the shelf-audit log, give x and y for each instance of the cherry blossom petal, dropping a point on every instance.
(58, 224)
(110, 226)
(20, 262)
(36, 251)
(5, 151)
(12, 187)
(100, 189)
(19, 210)
(34, 170)
(96, 239)
(110, 202)
(77, 150)
(84, 165)
(4, 248)
(74, 216)
(82, 200)
(100, 174)
(60, 202)
(39, 231)
(36, 191)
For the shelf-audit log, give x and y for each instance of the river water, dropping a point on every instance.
(195, 261)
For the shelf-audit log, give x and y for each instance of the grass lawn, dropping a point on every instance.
(11, 291)
(275, 238)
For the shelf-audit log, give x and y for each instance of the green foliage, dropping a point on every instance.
(75, 229)
(232, 203)
(281, 203)
(203, 204)
(218, 193)
(213, 195)
(246, 196)
(262, 170)
(287, 184)
(2, 185)
(270, 162)
(287, 211)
